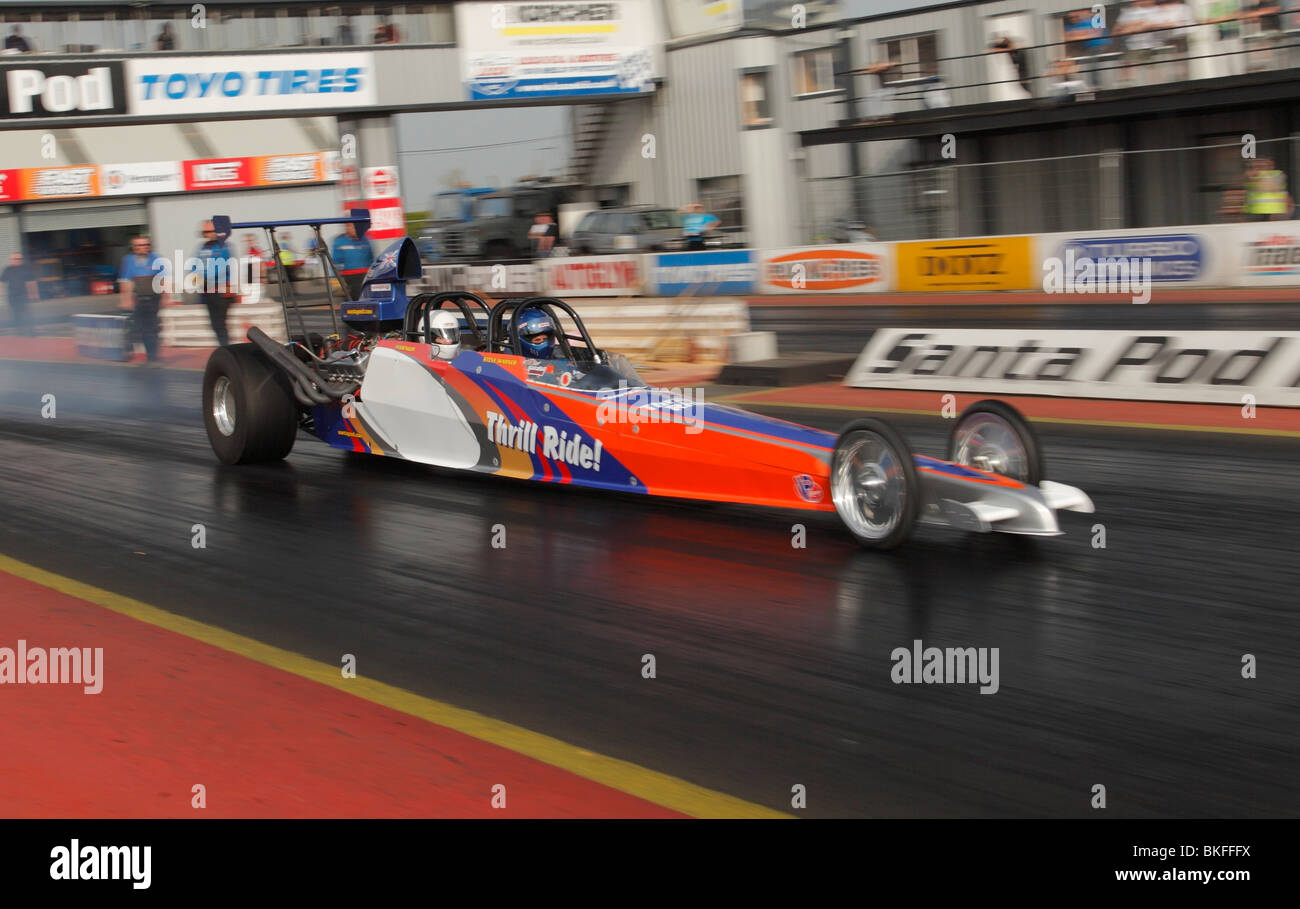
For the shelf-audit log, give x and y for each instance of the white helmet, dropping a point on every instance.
(444, 333)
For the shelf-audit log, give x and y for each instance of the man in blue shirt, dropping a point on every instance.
(219, 279)
(696, 222)
(352, 257)
(144, 281)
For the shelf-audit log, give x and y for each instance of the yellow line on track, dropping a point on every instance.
(652, 786)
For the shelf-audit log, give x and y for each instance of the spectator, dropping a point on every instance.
(696, 222)
(345, 35)
(19, 281)
(543, 234)
(166, 39)
(1019, 59)
(143, 294)
(879, 97)
(1226, 15)
(352, 257)
(1267, 198)
(385, 32)
(254, 252)
(219, 265)
(16, 41)
(1067, 85)
(1079, 28)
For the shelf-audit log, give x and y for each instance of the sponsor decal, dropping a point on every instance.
(982, 263)
(723, 272)
(823, 270)
(60, 182)
(1174, 258)
(214, 84)
(408, 348)
(31, 90)
(218, 173)
(547, 441)
(808, 489)
(359, 311)
(606, 274)
(501, 359)
(1193, 366)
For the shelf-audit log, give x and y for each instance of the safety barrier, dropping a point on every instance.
(1258, 254)
(188, 325)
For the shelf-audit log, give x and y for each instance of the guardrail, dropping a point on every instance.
(1256, 254)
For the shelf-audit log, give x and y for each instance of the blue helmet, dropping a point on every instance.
(537, 335)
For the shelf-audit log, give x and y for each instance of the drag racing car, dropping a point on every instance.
(519, 389)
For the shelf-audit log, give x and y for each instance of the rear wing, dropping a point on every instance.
(359, 217)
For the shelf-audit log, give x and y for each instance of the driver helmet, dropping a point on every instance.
(444, 333)
(537, 335)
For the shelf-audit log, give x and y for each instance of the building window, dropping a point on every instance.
(916, 57)
(814, 72)
(755, 108)
(721, 196)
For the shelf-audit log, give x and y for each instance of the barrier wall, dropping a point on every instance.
(1263, 254)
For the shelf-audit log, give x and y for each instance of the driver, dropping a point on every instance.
(537, 337)
(444, 334)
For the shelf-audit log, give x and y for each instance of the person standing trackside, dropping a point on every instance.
(20, 288)
(143, 294)
(219, 265)
(542, 235)
(696, 222)
(352, 256)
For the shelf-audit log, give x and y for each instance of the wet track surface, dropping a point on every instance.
(1119, 666)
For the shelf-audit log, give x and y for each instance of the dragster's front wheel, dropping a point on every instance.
(874, 483)
(993, 436)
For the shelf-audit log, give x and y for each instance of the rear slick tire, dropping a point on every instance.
(248, 406)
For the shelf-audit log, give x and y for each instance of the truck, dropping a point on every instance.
(447, 209)
(498, 227)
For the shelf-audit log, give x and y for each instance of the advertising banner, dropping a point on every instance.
(556, 49)
(387, 218)
(856, 268)
(977, 263)
(1186, 366)
(33, 89)
(593, 276)
(217, 83)
(1266, 254)
(218, 173)
(40, 183)
(141, 179)
(11, 185)
(723, 272)
(1178, 257)
(280, 170)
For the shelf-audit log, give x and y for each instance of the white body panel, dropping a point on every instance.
(410, 409)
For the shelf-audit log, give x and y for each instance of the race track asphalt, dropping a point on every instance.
(1118, 666)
